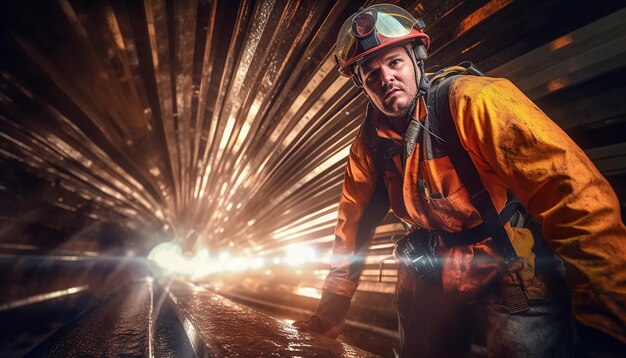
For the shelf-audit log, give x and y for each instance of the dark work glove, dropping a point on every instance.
(329, 316)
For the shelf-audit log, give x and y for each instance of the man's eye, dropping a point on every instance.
(395, 62)
(371, 75)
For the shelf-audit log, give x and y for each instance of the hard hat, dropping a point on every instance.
(375, 28)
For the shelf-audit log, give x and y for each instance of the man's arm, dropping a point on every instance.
(510, 138)
(362, 206)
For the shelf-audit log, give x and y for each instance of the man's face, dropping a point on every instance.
(389, 80)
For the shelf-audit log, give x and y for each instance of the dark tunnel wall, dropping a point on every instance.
(225, 125)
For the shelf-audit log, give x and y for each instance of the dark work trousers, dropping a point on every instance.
(433, 324)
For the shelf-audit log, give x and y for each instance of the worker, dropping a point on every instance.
(514, 239)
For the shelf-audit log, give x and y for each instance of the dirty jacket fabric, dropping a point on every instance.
(516, 148)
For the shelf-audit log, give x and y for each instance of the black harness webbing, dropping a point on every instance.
(480, 232)
(381, 152)
(441, 123)
(441, 118)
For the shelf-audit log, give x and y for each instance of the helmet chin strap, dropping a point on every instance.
(417, 54)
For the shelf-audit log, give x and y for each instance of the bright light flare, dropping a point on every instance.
(169, 256)
(257, 263)
(203, 253)
(237, 264)
(299, 254)
(309, 292)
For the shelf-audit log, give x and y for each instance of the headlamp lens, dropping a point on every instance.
(364, 24)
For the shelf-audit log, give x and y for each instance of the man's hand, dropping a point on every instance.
(328, 318)
(322, 326)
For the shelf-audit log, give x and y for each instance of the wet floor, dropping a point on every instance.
(230, 329)
(364, 339)
(118, 310)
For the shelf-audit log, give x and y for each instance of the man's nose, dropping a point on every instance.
(386, 77)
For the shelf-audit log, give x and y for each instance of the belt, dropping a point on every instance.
(480, 232)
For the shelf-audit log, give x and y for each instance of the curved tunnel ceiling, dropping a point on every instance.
(225, 124)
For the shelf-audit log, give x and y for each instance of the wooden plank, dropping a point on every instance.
(591, 36)
(610, 160)
(512, 31)
(578, 106)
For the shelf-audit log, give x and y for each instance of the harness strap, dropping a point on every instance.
(465, 169)
(480, 232)
(410, 137)
(373, 143)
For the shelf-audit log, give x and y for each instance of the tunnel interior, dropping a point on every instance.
(160, 155)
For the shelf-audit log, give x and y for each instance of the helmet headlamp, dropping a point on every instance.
(373, 29)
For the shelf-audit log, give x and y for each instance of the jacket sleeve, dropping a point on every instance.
(362, 206)
(510, 138)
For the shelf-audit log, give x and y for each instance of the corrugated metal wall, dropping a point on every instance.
(225, 124)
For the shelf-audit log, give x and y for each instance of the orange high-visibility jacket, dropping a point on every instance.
(515, 147)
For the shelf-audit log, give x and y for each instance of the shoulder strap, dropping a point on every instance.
(372, 142)
(438, 104)
(380, 148)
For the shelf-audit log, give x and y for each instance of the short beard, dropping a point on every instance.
(402, 111)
